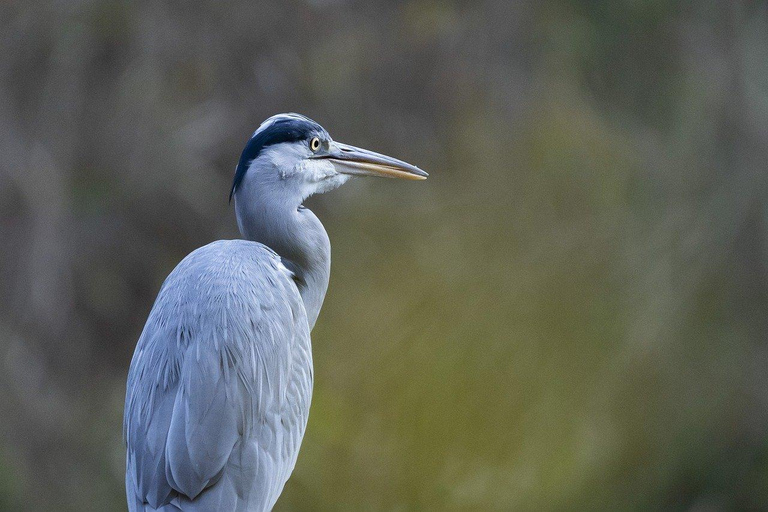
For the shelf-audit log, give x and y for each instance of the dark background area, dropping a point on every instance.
(570, 314)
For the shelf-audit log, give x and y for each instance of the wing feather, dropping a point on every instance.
(207, 418)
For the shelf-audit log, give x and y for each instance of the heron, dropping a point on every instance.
(220, 383)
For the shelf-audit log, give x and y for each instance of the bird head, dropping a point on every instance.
(295, 156)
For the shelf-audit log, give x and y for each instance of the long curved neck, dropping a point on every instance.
(293, 232)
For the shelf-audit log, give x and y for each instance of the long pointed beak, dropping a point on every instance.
(361, 162)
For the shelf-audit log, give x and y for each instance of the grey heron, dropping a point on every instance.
(220, 383)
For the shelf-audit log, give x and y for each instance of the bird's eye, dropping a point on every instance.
(314, 144)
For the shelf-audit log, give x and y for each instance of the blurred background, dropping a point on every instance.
(570, 314)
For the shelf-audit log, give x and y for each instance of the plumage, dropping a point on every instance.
(220, 384)
(225, 366)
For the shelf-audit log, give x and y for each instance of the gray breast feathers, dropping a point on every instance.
(220, 384)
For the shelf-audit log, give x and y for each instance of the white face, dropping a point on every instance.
(295, 168)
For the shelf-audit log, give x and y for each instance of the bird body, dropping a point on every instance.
(230, 390)
(220, 384)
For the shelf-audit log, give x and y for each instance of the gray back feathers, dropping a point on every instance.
(220, 384)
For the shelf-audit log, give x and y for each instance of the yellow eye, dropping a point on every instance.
(314, 144)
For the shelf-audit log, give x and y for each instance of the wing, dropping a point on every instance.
(217, 361)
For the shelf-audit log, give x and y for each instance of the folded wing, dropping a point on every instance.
(219, 386)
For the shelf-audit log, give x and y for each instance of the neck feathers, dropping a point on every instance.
(266, 216)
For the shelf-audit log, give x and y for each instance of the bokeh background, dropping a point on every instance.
(570, 314)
